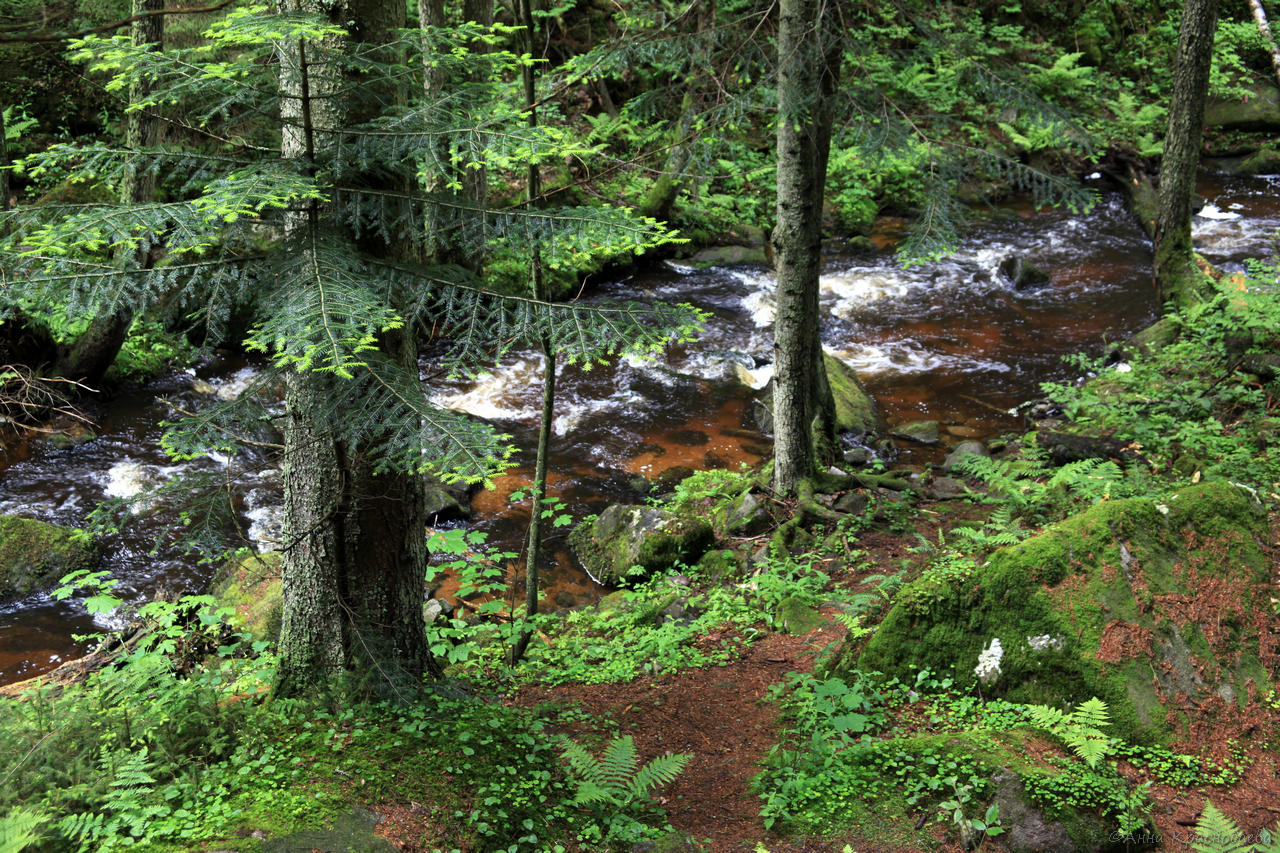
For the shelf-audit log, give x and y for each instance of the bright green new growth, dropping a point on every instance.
(1217, 833)
(1080, 729)
(617, 778)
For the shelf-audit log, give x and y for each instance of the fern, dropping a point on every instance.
(1217, 833)
(617, 778)
(20, 829)
(1081, 729)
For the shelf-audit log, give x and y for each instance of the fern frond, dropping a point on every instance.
(619, 761)
(1217, 833)
(20, 829)
(1092, 712)
(661, 771)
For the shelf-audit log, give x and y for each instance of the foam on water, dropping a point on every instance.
(906, 357)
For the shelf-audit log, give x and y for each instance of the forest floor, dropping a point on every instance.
(722, 717)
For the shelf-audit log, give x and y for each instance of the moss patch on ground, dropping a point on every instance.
(1152, 606)
(34, 555)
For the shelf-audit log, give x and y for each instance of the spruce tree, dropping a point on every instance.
(303, 205)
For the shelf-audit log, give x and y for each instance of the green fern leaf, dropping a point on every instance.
(1217, 833)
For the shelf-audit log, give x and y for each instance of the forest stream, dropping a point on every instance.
(949, 341)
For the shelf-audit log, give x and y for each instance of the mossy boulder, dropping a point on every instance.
(35, 555)
(251, 586)
(627, 543)
(1261, 112)
(856, 410)
(1152, 606)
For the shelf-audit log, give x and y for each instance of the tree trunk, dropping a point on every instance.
(1177, 276)
(809, 53)
(1264, 29)
(96, 349)
(355, 542)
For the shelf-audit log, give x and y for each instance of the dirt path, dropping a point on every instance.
(717, 716)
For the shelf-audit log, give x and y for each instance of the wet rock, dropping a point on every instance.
(920, 432)
(859, 455)
(963, 431)
(671, 477)
(564, 598)
(851, 503)
(448, 501)
(73, 436)
(1117, 626)
(628, 543)
(35, 555)
(746, 516)
(946, 488)
(1028, 830)
(720, 256)
(963, 449)
(250, 586)
(856, 410)
(1022, 274)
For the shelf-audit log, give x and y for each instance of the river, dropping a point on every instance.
(948, 341)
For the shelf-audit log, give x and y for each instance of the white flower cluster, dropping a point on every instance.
(988, 668)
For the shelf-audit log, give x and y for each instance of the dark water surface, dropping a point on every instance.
(948, 341)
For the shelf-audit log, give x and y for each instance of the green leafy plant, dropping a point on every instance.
(1081, 729)
(1217, 833)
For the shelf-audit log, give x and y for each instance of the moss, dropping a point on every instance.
(855, 409)
(630, 543)
(251, 585)
(720, 563)
(35, 555)
(795, 615)
(1113, 621)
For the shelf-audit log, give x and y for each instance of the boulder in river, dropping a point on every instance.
(920, 432)
(1160, 608)
(856, 410)
(627, 543)
(35, 555)
(1022, 274)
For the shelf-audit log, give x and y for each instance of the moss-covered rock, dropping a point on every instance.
(34, 555)
(1260, 112)
(251, 585)
(1151, 606)
(627, 543)
(856, 410)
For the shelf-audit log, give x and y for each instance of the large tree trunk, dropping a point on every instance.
(96, 349)
(809, 52)
(355, 551)
(1176, 273)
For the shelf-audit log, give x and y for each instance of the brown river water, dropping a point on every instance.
(947, 341)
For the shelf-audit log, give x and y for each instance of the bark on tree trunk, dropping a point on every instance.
(1176, 274)
(809, 52)
(96, 349)
(355, 543)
